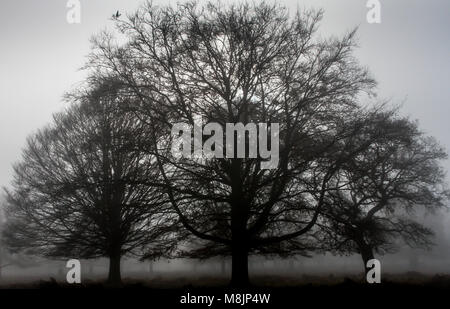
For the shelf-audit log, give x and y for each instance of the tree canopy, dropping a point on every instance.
(78, 190)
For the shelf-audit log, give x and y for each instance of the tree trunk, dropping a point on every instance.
(239, 247)
(239, 237)
(239, 266)
(366, 254)
(114, 276)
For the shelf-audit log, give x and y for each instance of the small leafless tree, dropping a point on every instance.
(378, 190)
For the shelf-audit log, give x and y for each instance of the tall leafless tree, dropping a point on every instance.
(78, 191)
(244, 63)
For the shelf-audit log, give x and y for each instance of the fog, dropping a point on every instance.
(405, 261)
(407, 53)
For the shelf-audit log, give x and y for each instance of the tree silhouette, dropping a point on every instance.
(245, 63)
(77, 192)
(377, 190)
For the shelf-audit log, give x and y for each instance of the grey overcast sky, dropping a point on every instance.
(40, 54)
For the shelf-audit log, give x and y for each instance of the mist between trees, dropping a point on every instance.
(101, 181)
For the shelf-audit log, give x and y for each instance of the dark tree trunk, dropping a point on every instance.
(239, 266)
(366, 254)
(239, 237)
(114, 275)
(239, 248)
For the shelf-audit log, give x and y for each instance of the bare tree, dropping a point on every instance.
(378, 190)
(78, 191)
(245, 63)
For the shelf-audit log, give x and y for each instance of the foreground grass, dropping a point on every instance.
(261, 281)
(285, 292)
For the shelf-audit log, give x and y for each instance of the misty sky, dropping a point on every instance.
(40, 54)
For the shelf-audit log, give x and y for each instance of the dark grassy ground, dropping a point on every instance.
(394, 291)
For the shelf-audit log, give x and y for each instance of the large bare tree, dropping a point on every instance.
(244, 63)
(78, 192)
